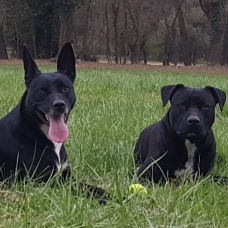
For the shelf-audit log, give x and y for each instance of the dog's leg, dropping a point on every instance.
(149, 170)
(98, 193)
(220, 180)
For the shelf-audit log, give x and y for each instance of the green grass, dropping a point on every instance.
(113, 106)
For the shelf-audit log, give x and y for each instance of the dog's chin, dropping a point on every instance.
(45, 117)
(192, 136)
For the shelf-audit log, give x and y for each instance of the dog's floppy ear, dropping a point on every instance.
(219, 95)
(168, 91)
(30, 67)
(66, 61)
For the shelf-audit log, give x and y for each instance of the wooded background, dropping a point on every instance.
(187, 31)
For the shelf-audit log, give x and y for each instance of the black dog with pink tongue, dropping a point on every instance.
(33, 133)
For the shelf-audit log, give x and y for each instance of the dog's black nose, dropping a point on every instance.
(193, 120)
(59, 105)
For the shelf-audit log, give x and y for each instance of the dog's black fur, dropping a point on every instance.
(32, 134)
(182, 143)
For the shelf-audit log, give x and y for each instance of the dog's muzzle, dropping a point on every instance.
(56, 120)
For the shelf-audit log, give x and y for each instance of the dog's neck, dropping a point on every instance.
(169, 130)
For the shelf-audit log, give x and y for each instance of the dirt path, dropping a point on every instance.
(94, 65)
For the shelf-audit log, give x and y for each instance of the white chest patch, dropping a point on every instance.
(57, 151)
(191, 148)
(57, 146)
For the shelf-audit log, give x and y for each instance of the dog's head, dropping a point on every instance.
(51, 96)
(192, 111)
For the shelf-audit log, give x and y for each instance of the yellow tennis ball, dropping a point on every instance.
(137, 188)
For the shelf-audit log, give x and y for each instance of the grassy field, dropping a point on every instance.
(113, 106)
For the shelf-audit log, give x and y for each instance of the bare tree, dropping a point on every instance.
(184, 37)
(82, 21)
(134, 42)
(3, 52)
(124, 36)
(108, 49)
(141, 19)
(141, 30)
(170, 41)
(215, 11)
(66, 18)
(115, 11)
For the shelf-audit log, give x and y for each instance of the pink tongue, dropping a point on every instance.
(58, 130)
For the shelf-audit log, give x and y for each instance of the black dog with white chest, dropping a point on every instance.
(33, 133)
(182, 143)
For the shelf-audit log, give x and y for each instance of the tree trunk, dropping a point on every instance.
(115, 10)
(193, 57)
(134, 53)
(125, 32)
(225, 43)
(170, 38)
(144, 55)
(3, 52)
(66, 18)
(170, 45)
(135, 44)
(215, 10)
(34, 46)
(19, 44)
(108, 52)
(184, 39)
(217, 25)
(85, 42)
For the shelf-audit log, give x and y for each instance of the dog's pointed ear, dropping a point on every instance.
(30, 67)
(168, 91)
(219, 96)
(66, 61)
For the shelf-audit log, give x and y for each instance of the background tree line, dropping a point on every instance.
(119, 30)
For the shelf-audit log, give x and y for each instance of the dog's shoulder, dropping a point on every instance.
(151, 129)
(151, 132)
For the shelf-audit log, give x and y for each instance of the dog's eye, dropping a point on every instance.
(206, 107)
(40, 91)
(66, 88)
(179, 105)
